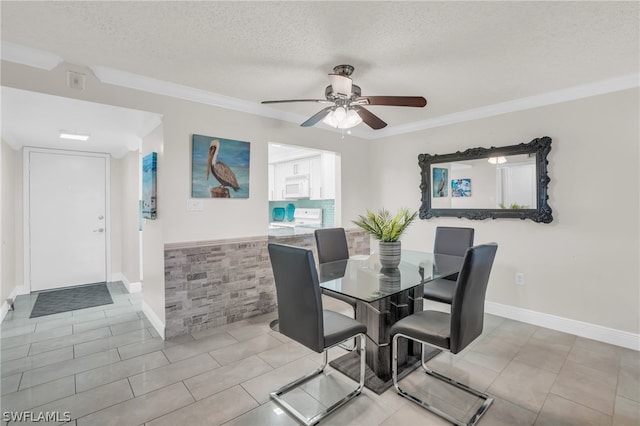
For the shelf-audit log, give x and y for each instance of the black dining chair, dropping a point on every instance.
(452, 331)
(451, 241)
(331, 244)
(303, 320)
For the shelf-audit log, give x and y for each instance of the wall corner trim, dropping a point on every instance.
(17, 291)
(612, 336)
(158, 325)
(131, 287)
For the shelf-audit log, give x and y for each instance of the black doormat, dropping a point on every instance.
(70, 299)
(349, 365)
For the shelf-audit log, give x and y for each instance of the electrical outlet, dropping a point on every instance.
(519, 278)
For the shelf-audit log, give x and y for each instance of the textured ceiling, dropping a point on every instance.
(459, 55)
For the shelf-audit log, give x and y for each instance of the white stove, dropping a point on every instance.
(310, 218)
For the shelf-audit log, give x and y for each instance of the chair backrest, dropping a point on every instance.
(331, 244)
(467, 306)
(452, 241)
(298, 293)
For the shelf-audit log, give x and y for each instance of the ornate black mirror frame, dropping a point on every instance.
(542, 213)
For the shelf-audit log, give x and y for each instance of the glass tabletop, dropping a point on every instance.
(363, 278)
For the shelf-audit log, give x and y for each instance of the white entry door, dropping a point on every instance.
(67, 219)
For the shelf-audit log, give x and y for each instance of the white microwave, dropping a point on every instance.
(296, 186)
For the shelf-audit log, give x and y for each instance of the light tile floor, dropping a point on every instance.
(107, 365)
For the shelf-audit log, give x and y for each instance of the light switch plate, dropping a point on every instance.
(194, 205)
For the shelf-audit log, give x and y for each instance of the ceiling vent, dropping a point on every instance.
(75, 80)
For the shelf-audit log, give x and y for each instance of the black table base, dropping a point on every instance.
(349, 365)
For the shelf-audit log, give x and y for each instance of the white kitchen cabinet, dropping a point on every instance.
(296, 167)
(315, 178)
(272, 182)
(328, 176)
(320, 170)
(279, 176)
(323, 177)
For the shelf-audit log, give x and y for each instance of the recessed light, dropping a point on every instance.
(74, 136)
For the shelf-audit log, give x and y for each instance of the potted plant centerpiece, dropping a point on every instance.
(387, 229)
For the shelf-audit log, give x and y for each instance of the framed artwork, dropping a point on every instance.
(440, 182)
(219, 167)
(149, 185)
(461, 187)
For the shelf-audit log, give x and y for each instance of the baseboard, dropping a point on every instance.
(131, 287)
(153, 319)
(566, 325)
(17, 291)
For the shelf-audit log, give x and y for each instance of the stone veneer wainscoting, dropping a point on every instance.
(211, 283)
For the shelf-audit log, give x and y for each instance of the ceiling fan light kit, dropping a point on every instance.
(347, 110)
(341, 118)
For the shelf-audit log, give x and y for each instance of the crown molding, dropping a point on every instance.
(149, 125)
(31, 57)
(160, 87)
(45, 60)
(601, 87)
(165, 88)
(138, 82)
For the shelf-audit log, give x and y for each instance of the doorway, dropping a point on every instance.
(67, 225)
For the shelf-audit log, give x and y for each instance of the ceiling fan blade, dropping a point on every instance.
(317, 117)
(297, 100)
(369, 118)
(409, 101)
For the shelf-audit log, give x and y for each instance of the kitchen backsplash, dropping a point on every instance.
(327, 206)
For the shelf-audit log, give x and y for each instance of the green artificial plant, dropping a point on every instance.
(384, 227)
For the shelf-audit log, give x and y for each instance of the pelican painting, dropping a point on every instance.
(440, 180)
(227, 160)
(220, 171)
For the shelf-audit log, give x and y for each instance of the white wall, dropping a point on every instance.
(7, 221)
(584, 265)
(115, 218)
(130, 237)
(220, 219)
(153, 239)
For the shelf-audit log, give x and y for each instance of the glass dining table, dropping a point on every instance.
(383, 297)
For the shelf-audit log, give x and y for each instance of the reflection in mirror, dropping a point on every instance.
(505, 182)
(480, 183)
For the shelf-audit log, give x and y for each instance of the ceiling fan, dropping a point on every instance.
(348, 104)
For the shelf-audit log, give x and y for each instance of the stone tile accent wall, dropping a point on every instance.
(208, 284)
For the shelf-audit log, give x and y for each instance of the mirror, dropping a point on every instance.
(481, 183)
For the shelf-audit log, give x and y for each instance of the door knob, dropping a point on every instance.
(99, 230)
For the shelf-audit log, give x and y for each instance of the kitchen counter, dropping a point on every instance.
(277, 231)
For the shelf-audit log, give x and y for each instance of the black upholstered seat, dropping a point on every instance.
(451, 241)
(331, 244)
(301, 318)
(452, 331)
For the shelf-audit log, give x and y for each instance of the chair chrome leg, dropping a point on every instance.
(308, 421)
(353, 345)
(488, 400)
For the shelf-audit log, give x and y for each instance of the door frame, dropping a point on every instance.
(26, 206)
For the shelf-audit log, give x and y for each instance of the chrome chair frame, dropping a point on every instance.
(308, 421)
(488, 400)
(465, 324)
